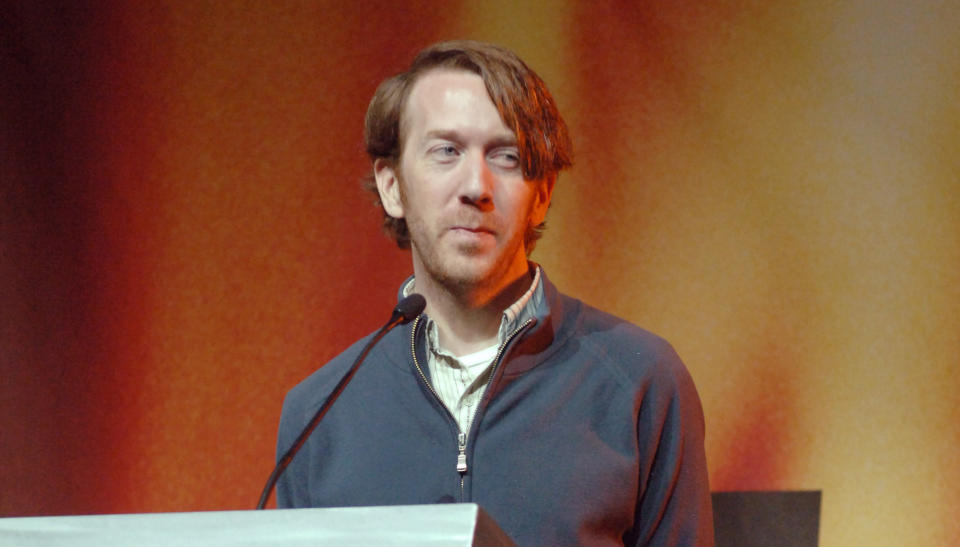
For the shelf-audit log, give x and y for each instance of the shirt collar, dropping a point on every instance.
(514, 316)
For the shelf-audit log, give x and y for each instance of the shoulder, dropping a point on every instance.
(645, 365)
(631, 353)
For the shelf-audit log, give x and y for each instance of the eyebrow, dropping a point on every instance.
(451, 135)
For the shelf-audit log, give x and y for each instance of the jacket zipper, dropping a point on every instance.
(461, 436)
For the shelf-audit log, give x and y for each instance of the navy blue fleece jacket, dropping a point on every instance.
(590, 433)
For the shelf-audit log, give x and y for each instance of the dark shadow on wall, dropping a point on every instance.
(58, 264)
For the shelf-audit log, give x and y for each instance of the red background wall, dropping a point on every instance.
(773, 187)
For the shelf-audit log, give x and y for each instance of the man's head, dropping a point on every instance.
(519, 95)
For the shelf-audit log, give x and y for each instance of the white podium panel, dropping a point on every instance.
(422, 525)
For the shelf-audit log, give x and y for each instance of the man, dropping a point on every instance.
(567, 425)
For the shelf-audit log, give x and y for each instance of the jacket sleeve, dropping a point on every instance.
(673, 505)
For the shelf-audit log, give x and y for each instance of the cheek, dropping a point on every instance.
(522, 205)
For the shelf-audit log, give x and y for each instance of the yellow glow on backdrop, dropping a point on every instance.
(785, 210)
(775, 188)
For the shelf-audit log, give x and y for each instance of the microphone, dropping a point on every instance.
(406, 311)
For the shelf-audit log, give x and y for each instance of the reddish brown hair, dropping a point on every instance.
(521, 97)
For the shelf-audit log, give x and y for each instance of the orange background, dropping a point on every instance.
(774, 187)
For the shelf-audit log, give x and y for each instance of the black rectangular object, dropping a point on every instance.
(784, 519)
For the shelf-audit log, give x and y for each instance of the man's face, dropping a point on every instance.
(460, 187)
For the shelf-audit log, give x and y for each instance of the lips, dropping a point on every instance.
(472, 232)
(473, 236)
(474, 229)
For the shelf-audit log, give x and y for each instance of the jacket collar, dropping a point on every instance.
(554, 316)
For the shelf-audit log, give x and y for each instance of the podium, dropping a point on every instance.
(440, 525)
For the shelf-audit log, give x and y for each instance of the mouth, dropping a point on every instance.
(472, 231)
(473, 236)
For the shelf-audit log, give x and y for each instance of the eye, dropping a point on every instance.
(506, 158)
(444, 152)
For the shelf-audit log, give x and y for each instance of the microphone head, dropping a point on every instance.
(409, 308)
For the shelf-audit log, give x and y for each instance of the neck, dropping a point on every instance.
(469, 320)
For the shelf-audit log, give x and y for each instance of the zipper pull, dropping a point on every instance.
(462, 455)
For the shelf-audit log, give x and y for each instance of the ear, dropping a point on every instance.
(543, 189)
(388, 185)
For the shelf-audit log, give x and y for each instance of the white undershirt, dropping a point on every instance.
(459, 381)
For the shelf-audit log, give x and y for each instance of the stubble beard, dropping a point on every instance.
(456, 269)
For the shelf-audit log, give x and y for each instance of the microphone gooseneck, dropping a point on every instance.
(408, 308)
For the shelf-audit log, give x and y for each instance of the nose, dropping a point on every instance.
(477, 186)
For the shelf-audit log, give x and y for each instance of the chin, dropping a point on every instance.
(464, 267)
(472, 274)
(467, 273)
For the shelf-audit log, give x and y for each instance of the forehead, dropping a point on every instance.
(450, 99)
